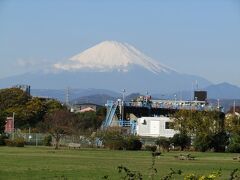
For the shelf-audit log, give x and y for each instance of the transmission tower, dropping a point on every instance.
(67, 95)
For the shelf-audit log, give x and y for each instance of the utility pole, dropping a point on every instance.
(196, 85)
(29, 134)
(123, 103)
(13, 119)
(36, 139)
(147, 93)
(218, 103)
(234, 107)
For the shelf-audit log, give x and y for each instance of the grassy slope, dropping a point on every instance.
(46, 163)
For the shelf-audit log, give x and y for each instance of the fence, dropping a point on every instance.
(37, 139)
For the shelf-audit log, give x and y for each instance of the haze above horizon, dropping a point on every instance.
(195, 37)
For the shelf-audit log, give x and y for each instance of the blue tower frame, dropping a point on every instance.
(111, 111)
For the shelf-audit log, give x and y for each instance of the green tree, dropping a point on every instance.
(220, 141)
(204, 126)
(203, 142)
(234, 144)
(12, 97)
(29, 114)
(13, 100)
(233, 128)
(35, 110)
(53, 105)
(232, 123)
(2, 121)
(28, 110)
(86, 121)
(101, 114)
(181, 140)
(183, 122)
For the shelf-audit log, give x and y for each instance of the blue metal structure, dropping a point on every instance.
(129, 123)
(111, 110)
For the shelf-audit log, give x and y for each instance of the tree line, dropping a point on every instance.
(46, 115)
(28, 110)
(208, 130)
(202, 130)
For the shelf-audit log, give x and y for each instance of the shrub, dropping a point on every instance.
(117, 143)
(234, 148)
(47, 141)
(132, 143)
(181, 140)
(115, 138)
(234, 144)
(2, 139)
(203, 143)
(219, 142)
(112, 138)
(17, 142)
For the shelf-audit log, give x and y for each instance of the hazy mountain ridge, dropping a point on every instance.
(227, 97)
(215, 91)
(99, 99)
(223, 91)
(74, 94)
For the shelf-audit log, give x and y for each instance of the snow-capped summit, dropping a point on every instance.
(109, 56)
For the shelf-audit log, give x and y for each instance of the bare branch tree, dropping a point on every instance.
(58, 124)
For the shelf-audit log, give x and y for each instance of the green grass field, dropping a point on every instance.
(47, 163)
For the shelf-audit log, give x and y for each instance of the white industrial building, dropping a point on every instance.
(155, 127)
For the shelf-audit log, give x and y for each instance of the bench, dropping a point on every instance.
(237, 158)
(74, 145)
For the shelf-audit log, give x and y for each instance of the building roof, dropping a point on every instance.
(86, 109)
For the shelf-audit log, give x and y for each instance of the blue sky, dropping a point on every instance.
(200, 37)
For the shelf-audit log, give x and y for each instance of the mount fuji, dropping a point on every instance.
(110, 65)
(112, 56)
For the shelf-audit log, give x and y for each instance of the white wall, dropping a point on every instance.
(154, 127)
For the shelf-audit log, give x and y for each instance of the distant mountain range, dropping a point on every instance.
(109, 65)
(226, 93)
(215, 91)
(223, 91)
(75, 95)
(99, 99)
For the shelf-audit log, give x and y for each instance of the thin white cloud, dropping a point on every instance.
(32, 63)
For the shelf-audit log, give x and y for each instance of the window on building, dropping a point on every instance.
(168, 125)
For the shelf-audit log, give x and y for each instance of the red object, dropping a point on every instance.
(9, 126)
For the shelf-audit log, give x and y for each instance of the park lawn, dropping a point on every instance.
(47, 163)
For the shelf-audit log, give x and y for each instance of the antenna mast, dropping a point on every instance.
(234, 107)
(196, 85)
